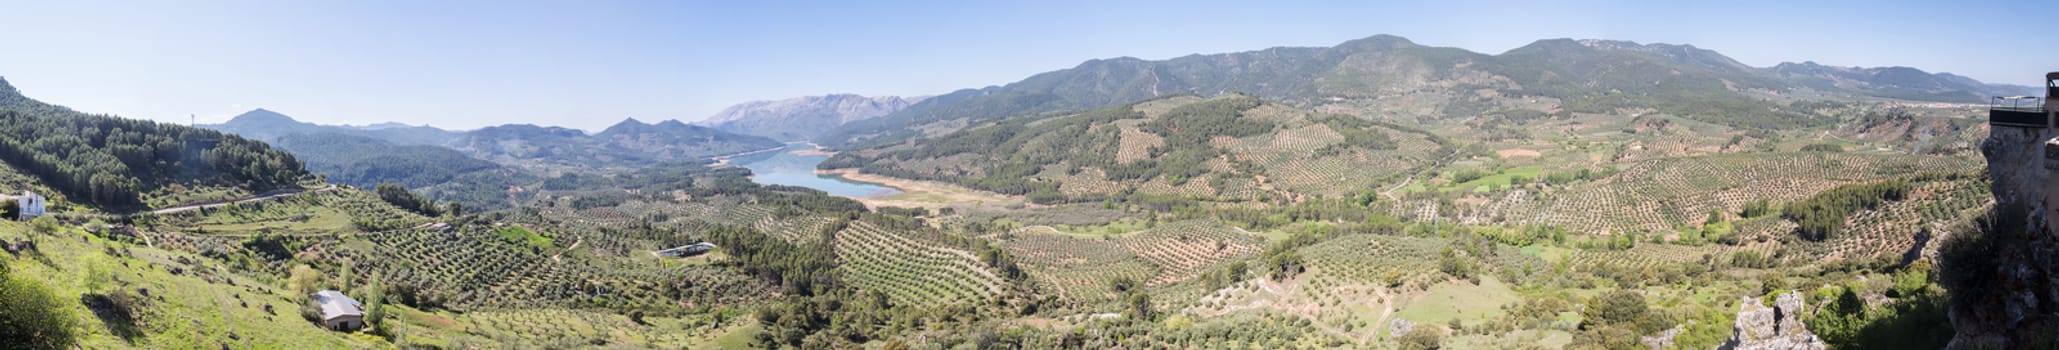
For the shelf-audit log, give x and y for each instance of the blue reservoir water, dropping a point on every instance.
(786, 168)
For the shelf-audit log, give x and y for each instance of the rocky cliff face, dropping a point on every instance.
(1776, 328)
(804, 117)
(2003, 273)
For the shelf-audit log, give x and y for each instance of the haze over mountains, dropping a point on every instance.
(802, 118)
(628, 141)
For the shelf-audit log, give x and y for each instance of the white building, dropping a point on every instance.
(340, 312)
(32, 205)
(688, 250)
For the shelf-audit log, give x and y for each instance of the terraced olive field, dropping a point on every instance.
(1278, 150)
(1659, 195)
(911, 269)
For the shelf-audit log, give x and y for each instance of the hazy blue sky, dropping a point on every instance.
(588, 64)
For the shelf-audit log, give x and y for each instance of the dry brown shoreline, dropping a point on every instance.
(949, 194)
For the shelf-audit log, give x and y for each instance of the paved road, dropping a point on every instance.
(265, 196)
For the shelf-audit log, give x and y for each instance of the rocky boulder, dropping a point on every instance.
(1777, 328)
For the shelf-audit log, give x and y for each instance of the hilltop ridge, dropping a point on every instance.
(802, 118)
(1588, 76)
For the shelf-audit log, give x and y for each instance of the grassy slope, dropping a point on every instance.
(194, 312)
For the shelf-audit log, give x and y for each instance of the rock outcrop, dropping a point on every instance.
(2003, 273)
(1777, 328)
(1399, 326)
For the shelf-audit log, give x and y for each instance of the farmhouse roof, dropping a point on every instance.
(335, 304)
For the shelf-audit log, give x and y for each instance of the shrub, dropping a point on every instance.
(1615, 307)
(44, 224)
(31, 315)
(1421, 338)
(1140, 307)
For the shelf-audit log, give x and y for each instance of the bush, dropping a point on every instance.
(31, 315)
(1421, 338)
(1140, 307)
(44, 224)
(1615, 307)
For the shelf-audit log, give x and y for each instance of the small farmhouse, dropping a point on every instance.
(32, 204)
(688, 250)
(340, 312)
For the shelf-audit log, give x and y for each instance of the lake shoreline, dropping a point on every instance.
(933, 194)
(816, 150)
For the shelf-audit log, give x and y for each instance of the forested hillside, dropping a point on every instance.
(627, 143)
(363, 162)
(115, 162)
(1234, 147)
(1590, 76)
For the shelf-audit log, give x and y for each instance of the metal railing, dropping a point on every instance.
(2019, 117)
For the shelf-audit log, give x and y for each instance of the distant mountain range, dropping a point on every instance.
(802, 118)
(519, 144)
(475, 167)
(627, 142)
(263, 124)
(1586, 76)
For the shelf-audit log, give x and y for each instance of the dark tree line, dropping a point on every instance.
(112, 161)
(1822, 214)
(401, 197)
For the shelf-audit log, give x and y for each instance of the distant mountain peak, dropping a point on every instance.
(1378, 42)
(802, 117)
(261, 115)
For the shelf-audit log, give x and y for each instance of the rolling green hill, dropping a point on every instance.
(1234, 147)
(363, 161)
